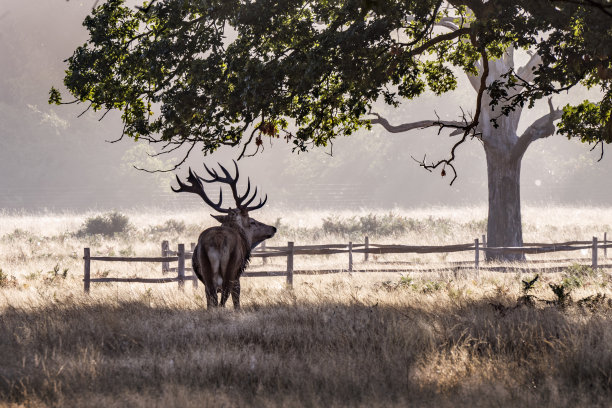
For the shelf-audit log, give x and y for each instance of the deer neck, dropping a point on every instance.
(246, 241)
(243, 233)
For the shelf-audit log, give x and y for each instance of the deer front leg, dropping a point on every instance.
(225, 292)
(236, 294)
(211, 297)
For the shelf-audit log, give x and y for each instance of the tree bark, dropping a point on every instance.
(504, 228)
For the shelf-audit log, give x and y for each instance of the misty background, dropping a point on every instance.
(51, 159)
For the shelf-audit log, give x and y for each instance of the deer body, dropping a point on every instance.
(219, 259)
(223, 252)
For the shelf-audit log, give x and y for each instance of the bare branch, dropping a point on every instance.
(469, 128)
(116, 140)
(146, 9)
(249, 141)
(120, 137)
(164, 151)
(469, 131)
(605, 8)
(176, 166)
(448, 22)
(600, 142)
(104, 115)
(422, 124)
(85, 111)
(541, 128)
(438, 39)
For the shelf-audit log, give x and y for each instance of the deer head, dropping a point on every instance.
(254, 231)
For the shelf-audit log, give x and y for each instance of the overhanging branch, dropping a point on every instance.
(422, 124)
(176, 166)
(470, 128)
(606, 8)
(438, 39)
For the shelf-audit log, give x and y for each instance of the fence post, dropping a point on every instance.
(594, 254)
(605, 243)
(181, 266)
(264, 260)
(367, 248)
(165, 247)
(476, 257)
(290, 251)
(350, 252)
(86, 270)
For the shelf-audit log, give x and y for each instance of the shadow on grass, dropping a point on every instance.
(305, 354)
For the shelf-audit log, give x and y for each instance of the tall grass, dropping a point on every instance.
(376, 339)
(335, 341)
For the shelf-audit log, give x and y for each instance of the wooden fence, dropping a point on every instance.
(291, 250)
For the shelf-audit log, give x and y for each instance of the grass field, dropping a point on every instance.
(375, 339)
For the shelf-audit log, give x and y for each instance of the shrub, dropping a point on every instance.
(593, 302)
(430, 287)
(108, 225)
(372, 225)
(170, 226)
(54, 275)
(580, 271)
(528, 285)
(562, 293)
(339, 226)
(389, 224)
(18, 234)
(575, 275)
(7, 281)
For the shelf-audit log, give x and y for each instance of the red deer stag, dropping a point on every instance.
(223, 252)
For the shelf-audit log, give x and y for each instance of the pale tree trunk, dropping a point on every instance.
(504, 151)
(504, 227)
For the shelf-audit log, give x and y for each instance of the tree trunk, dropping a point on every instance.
(504, 223)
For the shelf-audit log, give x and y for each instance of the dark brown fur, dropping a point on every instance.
(221, 239)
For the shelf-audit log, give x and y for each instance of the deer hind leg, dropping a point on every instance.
(218, 264)
(236, 294)
(195, 264)
(223, 282)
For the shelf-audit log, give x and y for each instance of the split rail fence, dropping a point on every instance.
(290, 251)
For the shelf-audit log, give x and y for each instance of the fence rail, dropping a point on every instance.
(290, 251)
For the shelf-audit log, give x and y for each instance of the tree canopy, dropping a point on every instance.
(194, 73)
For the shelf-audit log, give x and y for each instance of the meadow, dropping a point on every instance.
(347, 339)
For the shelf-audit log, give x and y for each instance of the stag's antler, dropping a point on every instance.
(197, 188)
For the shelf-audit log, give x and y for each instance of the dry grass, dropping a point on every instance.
(338, 340)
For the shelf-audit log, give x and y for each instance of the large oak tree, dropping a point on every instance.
(199, 74)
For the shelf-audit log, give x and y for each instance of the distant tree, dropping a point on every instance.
(309, 71)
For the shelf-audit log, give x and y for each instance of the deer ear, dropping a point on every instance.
(220, 218)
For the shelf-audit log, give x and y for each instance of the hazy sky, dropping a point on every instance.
(49, 158)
